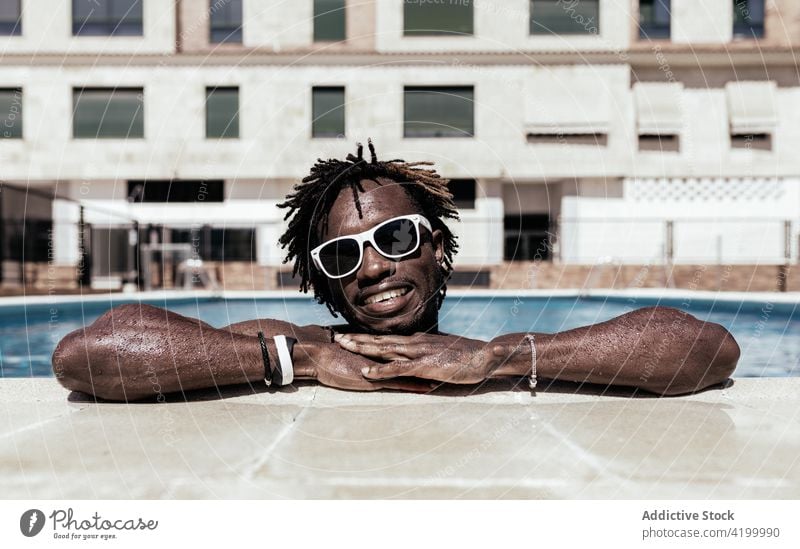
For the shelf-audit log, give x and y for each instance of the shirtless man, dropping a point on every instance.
(369, 238)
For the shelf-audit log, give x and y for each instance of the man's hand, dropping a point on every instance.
(332, 366)
(443, 358)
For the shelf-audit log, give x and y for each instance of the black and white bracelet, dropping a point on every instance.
(284, 371)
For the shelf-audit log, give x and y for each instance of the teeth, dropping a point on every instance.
(383, 296)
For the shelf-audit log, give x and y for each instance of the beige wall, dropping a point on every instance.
(782, 24)
(193, 25)
(712, 24)
(287, 26)
(47, 29)
(547, 276)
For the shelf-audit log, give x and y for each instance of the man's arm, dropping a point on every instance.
(659, 349)
(138, 351)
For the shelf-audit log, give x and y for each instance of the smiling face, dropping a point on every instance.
(385, 295)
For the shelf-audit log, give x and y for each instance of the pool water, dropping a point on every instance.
(768, 333)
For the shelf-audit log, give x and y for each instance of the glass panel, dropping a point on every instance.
(438, 112)
(27, 240)
(107, 18)
(226, 21)
(218, 244)
(108, 113)
(10, 18)
(748, 18)
(327, 112)
(11, 113)
(222, 112)
(111, 251)
(565, 17)
(463, 191)
(329, 20)
(176, 190)
(423, 17)
(654, 18)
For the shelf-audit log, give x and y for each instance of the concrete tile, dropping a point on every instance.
(427, 445)
(315, 442)
(148, 444)
(260, 488)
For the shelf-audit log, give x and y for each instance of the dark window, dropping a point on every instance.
(753, 141)
(10, 17)
(438, 111)
(470, 279)
(662, 143)
(112, 252)
(463, 191)
(107, 17)
(329, 20)
(654, 18)
(108, 113)
(27, 240)
(176, 191)
(596, 139)
(11, 113)
(748, 18)
(565, 17)
(327, 112)
(226, 21)
(423, 17)
(527, 237)
(213, 244)
(222, 112)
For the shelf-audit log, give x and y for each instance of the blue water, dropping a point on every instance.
(768, 333)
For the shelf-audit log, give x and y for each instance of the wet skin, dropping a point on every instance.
(139, 351)
(416, 310)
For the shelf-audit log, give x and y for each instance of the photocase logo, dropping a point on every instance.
(31, 522)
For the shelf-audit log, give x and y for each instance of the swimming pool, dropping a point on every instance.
(767, 327)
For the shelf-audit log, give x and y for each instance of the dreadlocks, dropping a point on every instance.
(313, 198)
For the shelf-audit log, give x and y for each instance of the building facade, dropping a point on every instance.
(586, 132)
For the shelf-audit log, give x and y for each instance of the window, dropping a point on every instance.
(329, 20)
(659, 115)
(527, 237)
(752, 113)
(327, 112)
(27, 239)
(222, 112)
(107, 17)
(654, 18)
(426, 18)
(748, 18)
(659, 143)
(226, 21)
(176, 191)
(463, 191)
(213, 244)
(575, 112)
(11, 113)
(438, 111)
(565, 16)
(108, 113)
(551, 138)
(752, 141)
(10, 18)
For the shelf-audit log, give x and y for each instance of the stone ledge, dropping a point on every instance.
(741, 441)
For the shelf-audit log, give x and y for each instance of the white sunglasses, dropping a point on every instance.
(393, 239)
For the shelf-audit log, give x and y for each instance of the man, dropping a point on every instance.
(370, 239)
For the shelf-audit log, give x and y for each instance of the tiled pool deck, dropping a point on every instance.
(742, 441)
